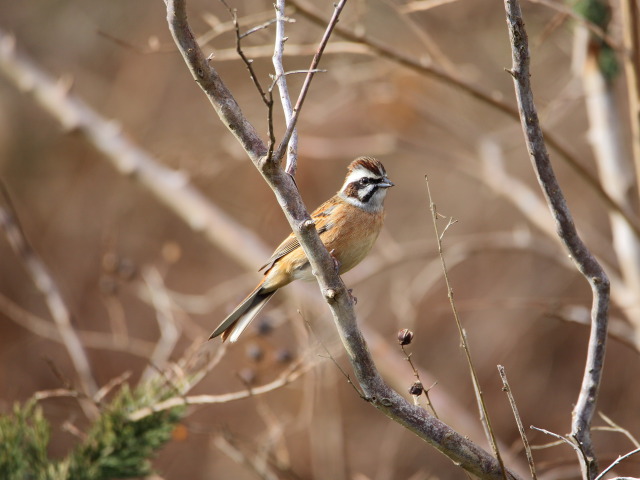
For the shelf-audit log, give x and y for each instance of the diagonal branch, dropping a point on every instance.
(283, 89)
(44, 282)
(580, 254)
(462, 451)
(307, 81)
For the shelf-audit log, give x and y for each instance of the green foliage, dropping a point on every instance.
(598, 12)
(608, 62)
(115, 447)
(24, 437)
(594, 11)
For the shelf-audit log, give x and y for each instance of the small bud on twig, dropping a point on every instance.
(405, 336)
(416, 389)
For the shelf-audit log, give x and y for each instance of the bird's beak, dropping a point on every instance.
(386, 183)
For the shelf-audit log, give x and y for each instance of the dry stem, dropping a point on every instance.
(580, 254)
(45, 283)
(484, 414)
(512, 402)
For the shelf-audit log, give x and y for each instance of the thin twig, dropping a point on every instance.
(266, 96)
(484, 414)
(248, 62)
(99, 340)
(219, 27)
(561, 440)
(44, 282)
(257, 28)
(260, 468)
(332, 358)
(283, 89)
(292, 373)
(580, 254)
(416, 374)
(307, 81)
(292, 50)
(618, 460)
(617, 428)
(110, 385)
(169, 328)
(514, 408)
(570, 12)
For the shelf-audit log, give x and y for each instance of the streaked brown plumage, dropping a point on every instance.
(348, 225)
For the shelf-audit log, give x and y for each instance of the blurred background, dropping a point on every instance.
(109, 242)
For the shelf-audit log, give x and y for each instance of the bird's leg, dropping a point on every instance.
(354, 299)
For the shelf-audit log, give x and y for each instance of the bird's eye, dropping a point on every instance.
(364, 180)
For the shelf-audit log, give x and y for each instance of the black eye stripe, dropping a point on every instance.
(369, 194)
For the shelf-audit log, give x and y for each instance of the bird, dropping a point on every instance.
(348, 224)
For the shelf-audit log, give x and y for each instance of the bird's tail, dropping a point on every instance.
(233, 326)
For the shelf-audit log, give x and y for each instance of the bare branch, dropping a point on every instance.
(292, 373)
(292, 50)
(484, 414)
(281, 81)
(307, 81)
(169, 329)
(523, 435)
(259, 467)
(45, 329)
(45, 283)
(618, 460)
(580, 254)
(465, 453)
(617, 428)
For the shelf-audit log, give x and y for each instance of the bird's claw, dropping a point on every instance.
(354, 299)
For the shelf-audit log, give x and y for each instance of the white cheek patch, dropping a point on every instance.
(365, 192)
(353, 201)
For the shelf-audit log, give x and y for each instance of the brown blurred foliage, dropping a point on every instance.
(98, 232)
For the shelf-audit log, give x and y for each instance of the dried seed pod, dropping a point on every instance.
(264, 327)
(405, 336)
(284, 355)
(416, 389)
(255, 352)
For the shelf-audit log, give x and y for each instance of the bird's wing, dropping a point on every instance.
(321, 218)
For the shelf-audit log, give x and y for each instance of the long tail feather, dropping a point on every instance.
(238, 320)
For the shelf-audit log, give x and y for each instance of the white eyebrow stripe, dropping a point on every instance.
(358, 174)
